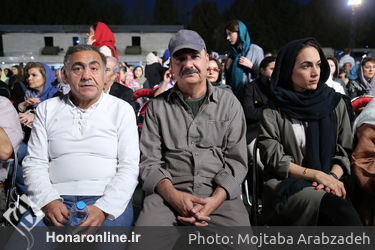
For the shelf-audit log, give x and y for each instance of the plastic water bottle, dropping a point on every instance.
(78, 213)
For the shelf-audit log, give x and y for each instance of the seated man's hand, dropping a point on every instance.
(56, 213)
(201, 213)
(182, 202)
(94, 218)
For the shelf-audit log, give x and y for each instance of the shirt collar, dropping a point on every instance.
(67, 100)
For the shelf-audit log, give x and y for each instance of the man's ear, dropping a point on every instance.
(63, 75)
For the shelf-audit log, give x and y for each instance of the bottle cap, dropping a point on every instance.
(80, 205)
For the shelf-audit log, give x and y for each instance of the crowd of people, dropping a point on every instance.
(80, 142)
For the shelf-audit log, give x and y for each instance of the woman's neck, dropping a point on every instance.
(39, 90)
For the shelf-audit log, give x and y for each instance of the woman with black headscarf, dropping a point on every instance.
(304, 140)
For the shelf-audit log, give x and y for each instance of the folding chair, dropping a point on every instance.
(257, 183)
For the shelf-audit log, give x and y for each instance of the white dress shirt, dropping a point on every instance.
(78, 152)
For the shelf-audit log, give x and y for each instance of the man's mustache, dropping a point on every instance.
(85, 83)
(189, 71)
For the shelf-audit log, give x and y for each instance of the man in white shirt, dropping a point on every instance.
(83, 146)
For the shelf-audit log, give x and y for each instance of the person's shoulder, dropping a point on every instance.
(225, 96)
(53, 101)
(165, 97)
(271, 110)
(255, 47)
(354, 85)
(119, 87)
(4, 101)
(116, 104)
(5, 104)
(105, 50)
(112, 100)
(251, 84)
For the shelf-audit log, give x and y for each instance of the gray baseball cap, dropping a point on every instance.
(186, 39)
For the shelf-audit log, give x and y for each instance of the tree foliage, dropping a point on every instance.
(205, 18)
(271, 23)
(165, 12)
(61, 12)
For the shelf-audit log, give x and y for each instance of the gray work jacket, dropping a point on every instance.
(196, 153)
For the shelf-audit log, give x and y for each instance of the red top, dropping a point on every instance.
(104, 36)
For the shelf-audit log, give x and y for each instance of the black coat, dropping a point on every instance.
(123, 93)
(4, 90)
(256, 97)
(154, 74)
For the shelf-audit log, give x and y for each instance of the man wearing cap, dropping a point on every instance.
(193, 148)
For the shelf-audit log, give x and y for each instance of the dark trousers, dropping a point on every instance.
(336, 211)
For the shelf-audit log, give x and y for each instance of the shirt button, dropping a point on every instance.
(196, 153)
(192, 143)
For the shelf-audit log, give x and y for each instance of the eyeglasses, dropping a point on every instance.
(213, 69)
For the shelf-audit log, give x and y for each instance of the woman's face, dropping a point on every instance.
(306, 70)
(122, 76)
(138, 72)
(213, 71)
(368, 70)
(91, 31)
(231, 36)
(6, 72)
(347, 67)
(35, 78)
(14, 71)
(332, 66)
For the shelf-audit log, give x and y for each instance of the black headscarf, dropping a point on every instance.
(316, 107)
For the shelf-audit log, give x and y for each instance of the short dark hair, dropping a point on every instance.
(266, 61)
(232, 26)
(82, 47)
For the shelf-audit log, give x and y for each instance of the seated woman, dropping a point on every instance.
(39, 77)
(333, 80)
(304, 140)
(16, 85)
(139, 79)
(215, 74)
(363, 164)
(365, 84)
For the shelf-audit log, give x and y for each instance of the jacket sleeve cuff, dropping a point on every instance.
(283, 167)
(37, 208)
(343, 162)
(229, 183)
(154, 178)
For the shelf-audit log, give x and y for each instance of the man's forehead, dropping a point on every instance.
(86, 56)
(110, 63)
